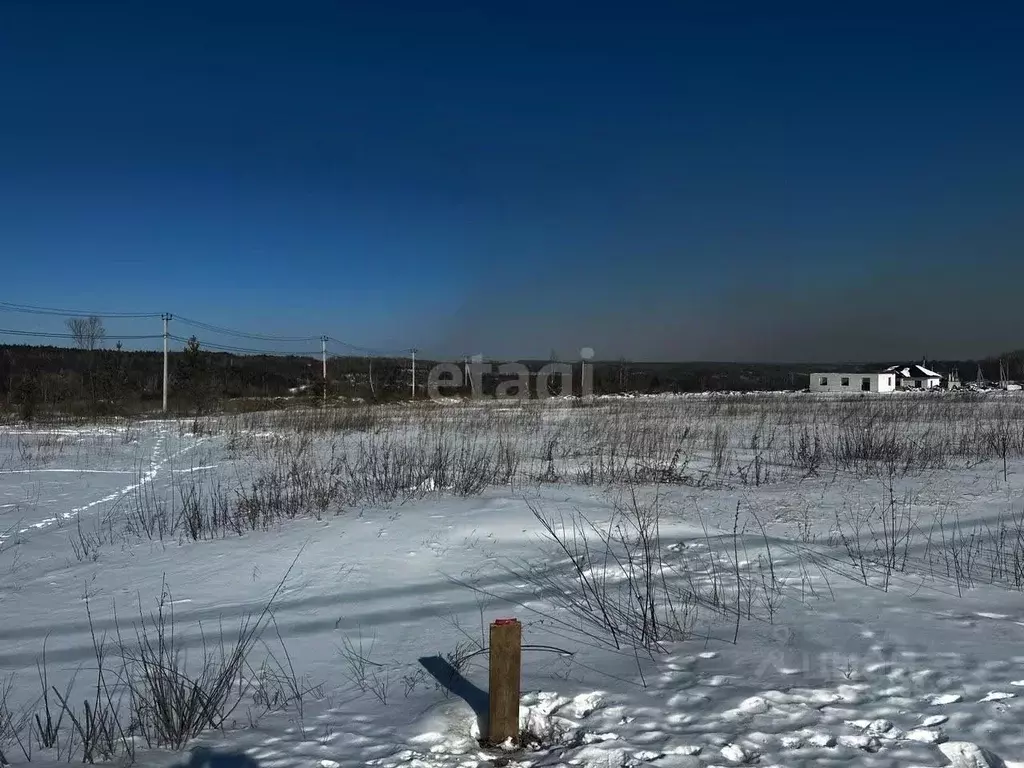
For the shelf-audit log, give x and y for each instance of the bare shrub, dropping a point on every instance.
(48, 729)
(146, 687)
(367, 675)
(622, 588)
(172, 701)
(85, 545)
(806, 450)
(13, 725)
(147, 514)
(277, 686)
(878, 541)
(618, 585)
(984, 553)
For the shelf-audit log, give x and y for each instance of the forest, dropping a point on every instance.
(103, 381)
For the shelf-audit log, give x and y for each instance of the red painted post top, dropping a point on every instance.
(500, 622)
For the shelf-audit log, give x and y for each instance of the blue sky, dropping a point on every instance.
(727, 180)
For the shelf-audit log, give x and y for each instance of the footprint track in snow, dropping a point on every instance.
(157, 463)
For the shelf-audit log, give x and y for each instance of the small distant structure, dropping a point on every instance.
(842, 381)
(1004, 378)
(982, 384)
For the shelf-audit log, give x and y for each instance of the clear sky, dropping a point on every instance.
(679, 180)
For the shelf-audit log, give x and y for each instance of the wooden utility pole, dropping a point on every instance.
(505, 671)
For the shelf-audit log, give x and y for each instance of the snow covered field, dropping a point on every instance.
(764, 579)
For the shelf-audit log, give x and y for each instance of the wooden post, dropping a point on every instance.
(505, 670)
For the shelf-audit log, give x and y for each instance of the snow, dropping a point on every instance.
(833, 660)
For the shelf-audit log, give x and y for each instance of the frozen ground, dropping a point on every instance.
(827, 610)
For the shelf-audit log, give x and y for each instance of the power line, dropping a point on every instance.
(31, 309)
(209, 327)
(241, 334)
(206, 344)
(45, 335)
(240, 350)
(370, 350)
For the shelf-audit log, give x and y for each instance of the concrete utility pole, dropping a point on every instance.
(323, 354)
(166, 319)
(414, 351)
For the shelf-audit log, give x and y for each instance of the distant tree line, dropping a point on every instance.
(35, 379)
(96, 379)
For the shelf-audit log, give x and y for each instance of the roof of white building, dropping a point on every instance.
(913, 372)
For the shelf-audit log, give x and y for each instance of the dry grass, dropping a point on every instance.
(148, 689)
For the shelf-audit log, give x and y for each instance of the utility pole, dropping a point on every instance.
(323, 355)
(166, 318)
(414, 351)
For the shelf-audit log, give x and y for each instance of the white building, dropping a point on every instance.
(915, 377)
(840, 381)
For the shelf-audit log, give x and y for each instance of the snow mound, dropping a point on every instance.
(965, 754)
